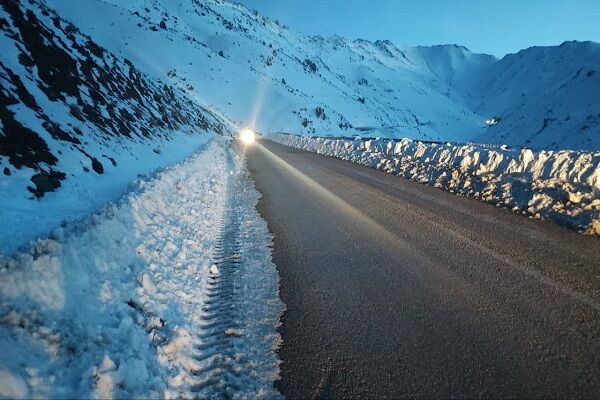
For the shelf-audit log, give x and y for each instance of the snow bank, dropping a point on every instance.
(562, 186)
(111, 306)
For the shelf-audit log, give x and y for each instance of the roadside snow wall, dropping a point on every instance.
(112, 306)
(561, 186)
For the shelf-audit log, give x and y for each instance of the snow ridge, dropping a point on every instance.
(240, 306)
(561, 186)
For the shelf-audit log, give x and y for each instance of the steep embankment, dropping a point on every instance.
(74, 117)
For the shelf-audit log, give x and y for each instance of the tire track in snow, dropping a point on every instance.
(220, 331)
(231, 349)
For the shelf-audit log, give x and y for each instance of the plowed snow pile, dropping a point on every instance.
(112, 306)
(562, 186)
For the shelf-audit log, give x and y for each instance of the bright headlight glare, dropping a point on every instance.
(247, 136)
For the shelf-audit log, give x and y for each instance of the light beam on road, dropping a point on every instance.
(339, 203)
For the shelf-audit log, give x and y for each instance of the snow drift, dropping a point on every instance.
(562, 186)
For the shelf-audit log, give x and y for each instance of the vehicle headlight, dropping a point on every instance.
(247, 136)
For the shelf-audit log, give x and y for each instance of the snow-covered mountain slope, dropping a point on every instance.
(258, 72)
(261, 73)
(454, 66)
(548, 97)
(75, 117)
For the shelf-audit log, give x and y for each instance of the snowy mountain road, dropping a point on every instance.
(397, 289)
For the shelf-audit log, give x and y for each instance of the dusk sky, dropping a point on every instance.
(493, 27)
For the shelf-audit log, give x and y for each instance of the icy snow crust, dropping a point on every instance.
(562, 186)
(116, 305)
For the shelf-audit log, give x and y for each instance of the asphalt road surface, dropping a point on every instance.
(397, 289)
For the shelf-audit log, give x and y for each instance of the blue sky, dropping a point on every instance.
(486, 26)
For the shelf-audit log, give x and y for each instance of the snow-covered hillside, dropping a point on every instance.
(548, 97)
(79, 120)
(259, 72)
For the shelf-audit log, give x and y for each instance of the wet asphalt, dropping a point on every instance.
(395, 289)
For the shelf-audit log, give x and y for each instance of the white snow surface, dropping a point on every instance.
(111, 306)
(562, 186)
(23, 218)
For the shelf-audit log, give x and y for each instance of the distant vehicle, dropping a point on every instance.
(247, 136)
(493, 121)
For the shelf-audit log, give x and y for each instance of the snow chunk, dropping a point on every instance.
(11, 386)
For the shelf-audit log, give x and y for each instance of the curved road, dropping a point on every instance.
(396, 289)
